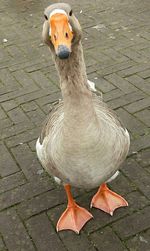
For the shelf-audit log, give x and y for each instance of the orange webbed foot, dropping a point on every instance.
(74, 217)
(107, 200)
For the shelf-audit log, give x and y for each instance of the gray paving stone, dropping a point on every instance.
(9, 105)
(144, 116)
(131, 123)
(103, 240)
(121, 83)
(7, 165)
(123, 100)
(23, 137)
(39, 203)
(4, 123)
(40, 228)
(139, 242)
(2, 245)
(25, 192)
(17, 115)
(16, 129)
(140, 83)
(14, 232)
(142, 142)
(12, 181)
(134, 226)
(138, 106)
(138, 175)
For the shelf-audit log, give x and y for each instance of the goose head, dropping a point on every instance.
(61, 29)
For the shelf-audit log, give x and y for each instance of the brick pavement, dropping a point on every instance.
(116, 41)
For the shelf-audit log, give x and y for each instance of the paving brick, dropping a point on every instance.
(36, 65)
(103, 240)
(134, 226)
(32, 145)
(8, 80)
(30, 106)
(122, 185)
(75, 242)
(48, 99)
(121, 83)
(138, 175)
(114, 94)
(4, 90)
(23, 137)
(131, 123)
(142, 142)
(144, 116)
(9, 105)
(28, 64)
(137, 201)
(140, 83)
(139, 242)
(36, 116)
(115, 68)
(40, 79)
(14, 232)
(14, 51)
(17, 115)
(27, 160)
(2, 114)
(25, 192)
(40, 228)
(47, 108)
(17, 93)
(34, 95)
(24, 79)
(139, 105)
(133, 55)
(12, 181)
(134, 69)
(118, 56)
(16, 129)
(41, 203)
(123, 100)
(145, 74)
(101, 83)
(2, 245)
(143, 158)
(7, 165)
(4, 123)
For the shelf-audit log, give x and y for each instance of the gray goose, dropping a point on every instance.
(82, 142)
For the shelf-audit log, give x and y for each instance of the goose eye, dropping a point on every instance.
(66, 34)
(70, 13)
(46, 17)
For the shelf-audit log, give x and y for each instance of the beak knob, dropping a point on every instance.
(63, 52)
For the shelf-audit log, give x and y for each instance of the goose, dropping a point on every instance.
(82, 142)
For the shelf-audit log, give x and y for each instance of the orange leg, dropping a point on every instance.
(74, 217)
(107, 200)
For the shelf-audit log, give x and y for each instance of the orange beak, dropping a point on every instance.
(61, 35)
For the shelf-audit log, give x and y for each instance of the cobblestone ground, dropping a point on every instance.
(116, 43)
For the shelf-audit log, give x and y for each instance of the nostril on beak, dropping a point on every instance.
(63, 52)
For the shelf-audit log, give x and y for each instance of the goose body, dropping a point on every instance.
(83, 152)
(82, 142)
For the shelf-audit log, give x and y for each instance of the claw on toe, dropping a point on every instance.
(107, 200)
